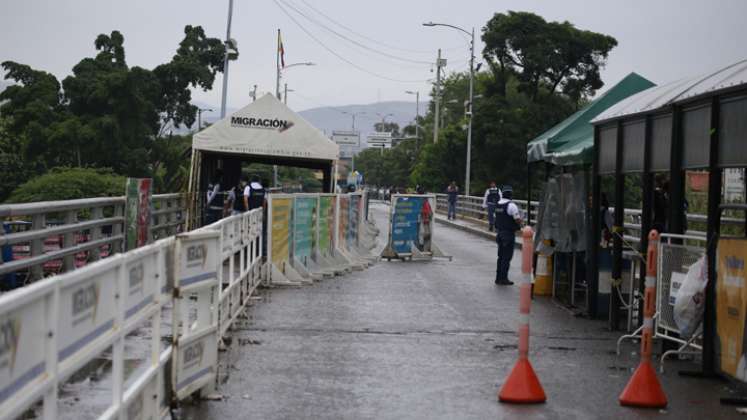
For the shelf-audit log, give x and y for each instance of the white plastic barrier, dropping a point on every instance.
(311, 236)
(54, 327)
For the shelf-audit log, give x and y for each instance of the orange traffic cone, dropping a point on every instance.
(643, 389)
(522, 385)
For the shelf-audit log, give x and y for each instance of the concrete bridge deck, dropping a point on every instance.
(427, 340)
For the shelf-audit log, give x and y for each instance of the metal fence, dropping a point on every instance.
(54, 237)
(470, 208)
(55, 327)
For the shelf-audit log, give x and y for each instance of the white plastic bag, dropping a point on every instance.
(689, 303)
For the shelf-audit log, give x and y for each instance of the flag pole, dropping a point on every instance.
(277, 63)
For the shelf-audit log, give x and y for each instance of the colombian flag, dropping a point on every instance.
(281, 50)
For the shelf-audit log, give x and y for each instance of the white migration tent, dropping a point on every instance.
(265, 131)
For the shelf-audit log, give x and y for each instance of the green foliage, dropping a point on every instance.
(68, 184)
(545, 54)
(107, 114)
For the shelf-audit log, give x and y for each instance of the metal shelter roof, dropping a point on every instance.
(570, 142)
(680, 91)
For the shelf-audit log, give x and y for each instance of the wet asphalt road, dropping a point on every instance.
(426, 340)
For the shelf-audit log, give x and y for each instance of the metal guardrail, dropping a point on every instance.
(56, 327)
(53, 237)
(470, 207)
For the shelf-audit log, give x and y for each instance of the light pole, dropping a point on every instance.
(383, 119)
(471, 98)
(199, 116)
(230, 46)
(285, 95)
(354, 114)
(417, 110)
(279, 74)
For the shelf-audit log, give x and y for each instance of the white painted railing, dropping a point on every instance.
(53, 328)
(53, 237)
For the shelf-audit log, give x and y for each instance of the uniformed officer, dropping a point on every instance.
(254, 195)
(237, 196)
(507, 222)
(489, 201)
(215, 198)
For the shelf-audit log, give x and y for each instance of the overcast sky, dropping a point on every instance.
(661, 40)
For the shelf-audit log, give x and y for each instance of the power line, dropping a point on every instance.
(323, 26)
(331, 51)
(324, 15)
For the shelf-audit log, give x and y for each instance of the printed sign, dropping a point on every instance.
(142, 282)
(731, 302)
(304, 228)
(354, 209)
(342, 224)
(326, 224)
(139, 194)
(87, 308)
(195, 358)
(281, 220)
(198, 259)
(23, 332)
(674, 285)
(411, 224)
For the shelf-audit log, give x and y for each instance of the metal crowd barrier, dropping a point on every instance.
(55, 327)
(53, 237)
(676, 254)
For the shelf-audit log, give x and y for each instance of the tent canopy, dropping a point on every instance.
(571, 141)
(269, 130)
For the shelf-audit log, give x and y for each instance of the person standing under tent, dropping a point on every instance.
(254, 195)
(236, 196)
(214, 203)
(507, 222)
(453, 192)
(489, 201)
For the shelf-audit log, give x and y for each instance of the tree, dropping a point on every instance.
(69, 183)
(107, 114)
(551, 55)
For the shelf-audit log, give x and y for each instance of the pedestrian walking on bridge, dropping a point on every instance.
(507, 222)
(452, 192)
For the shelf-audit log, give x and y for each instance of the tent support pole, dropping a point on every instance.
(619, 231)
(647, 187)
(592, 273)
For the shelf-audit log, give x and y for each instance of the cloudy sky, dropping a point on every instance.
(390, 51)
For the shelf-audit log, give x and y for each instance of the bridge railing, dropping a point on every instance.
(57, 326)
(470, 208)
(53, 237)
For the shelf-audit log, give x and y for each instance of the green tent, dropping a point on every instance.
(571, 141)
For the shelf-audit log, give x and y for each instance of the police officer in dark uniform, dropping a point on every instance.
(489, 201)
(254, 195)
(507, 222)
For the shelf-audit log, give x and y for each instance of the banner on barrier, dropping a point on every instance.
(731, 305)
(280, 232)
(343, 221)
(326, 224)
(197, 260)
(195, 362)
(138, 205)
(353, 219)
(304, 228)
(411, 223)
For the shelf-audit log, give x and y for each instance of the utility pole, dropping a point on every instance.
(285, 95)
(417, 111)
(253, 94)
(438, 97)
(469, 112)
(228, 43)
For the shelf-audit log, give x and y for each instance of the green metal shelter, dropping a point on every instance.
(571, 141)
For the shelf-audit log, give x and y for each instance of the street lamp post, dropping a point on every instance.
(199, 116)
(417, 110)
(471, 98)
(280, 76)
